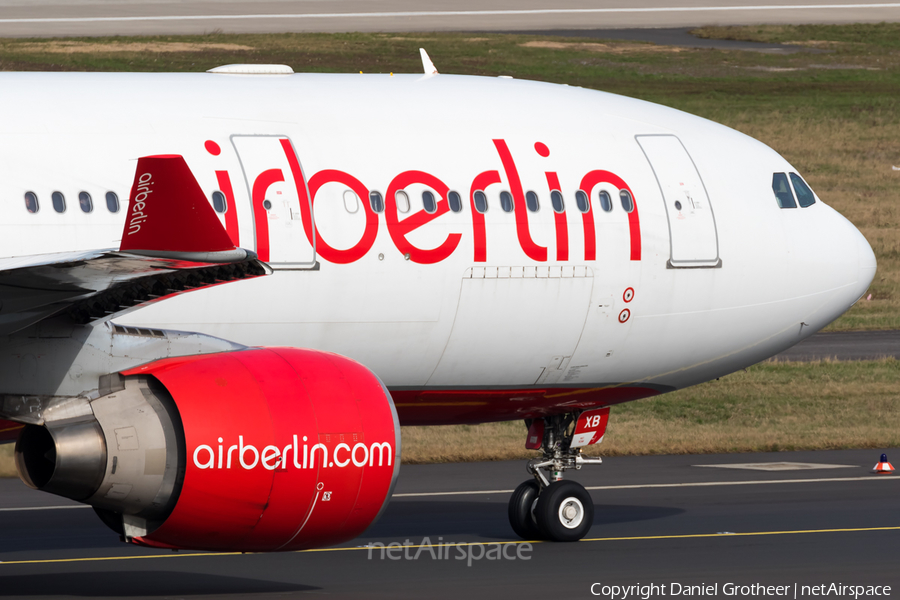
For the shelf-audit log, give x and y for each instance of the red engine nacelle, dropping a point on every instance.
(275, 449)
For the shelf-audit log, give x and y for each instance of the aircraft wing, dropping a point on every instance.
(172, 243)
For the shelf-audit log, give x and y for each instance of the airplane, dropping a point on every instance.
(223, 292)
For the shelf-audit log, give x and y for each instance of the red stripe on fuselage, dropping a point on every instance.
(448, 407)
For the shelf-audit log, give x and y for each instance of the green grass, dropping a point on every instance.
(768, 407)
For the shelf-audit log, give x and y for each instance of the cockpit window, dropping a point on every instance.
(782, 190)
(805, 196)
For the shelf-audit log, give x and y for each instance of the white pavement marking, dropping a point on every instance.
(454, 13)
(21, 508)
(778, 466)
(665, 485)
(594, 487)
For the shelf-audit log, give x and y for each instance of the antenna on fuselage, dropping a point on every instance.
(429, 67)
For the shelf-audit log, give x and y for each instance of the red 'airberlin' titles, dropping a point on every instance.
(274, 457)
(400, 229)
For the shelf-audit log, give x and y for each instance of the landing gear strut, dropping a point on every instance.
(547, 507)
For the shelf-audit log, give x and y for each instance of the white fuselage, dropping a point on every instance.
(661, 297)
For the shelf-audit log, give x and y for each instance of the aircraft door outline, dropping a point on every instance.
(693, 235)
(275, 194)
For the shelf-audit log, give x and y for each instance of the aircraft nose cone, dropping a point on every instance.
(854, 242)
(867, 263)
(834, 266)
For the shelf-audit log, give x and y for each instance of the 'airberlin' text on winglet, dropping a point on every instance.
(140, 202)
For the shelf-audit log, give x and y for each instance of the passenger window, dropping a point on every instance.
(626, 200)
(59, 202)
(402, 200)
(782, 190)
(480, 201)
(351, 201)
(605, 201)
(220, 205)
(85, 202)
(581, 201)
(506, 201)
(31, 202)
(805, 196)
(455, 201)
(556, 199)
(531, 202)
(428, 202)
(376, 202)
(112, 202)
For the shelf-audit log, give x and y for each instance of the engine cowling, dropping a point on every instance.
(257, 450)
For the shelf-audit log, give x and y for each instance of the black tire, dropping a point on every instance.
(564, 512)
(521, 510)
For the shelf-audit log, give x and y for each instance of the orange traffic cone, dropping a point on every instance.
(883, 466)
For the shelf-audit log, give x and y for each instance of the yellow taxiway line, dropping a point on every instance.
(516, 542)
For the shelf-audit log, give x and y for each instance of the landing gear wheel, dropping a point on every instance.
(521, 510)
(564, 511)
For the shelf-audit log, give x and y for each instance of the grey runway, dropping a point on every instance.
(658, 520)
(20, 18)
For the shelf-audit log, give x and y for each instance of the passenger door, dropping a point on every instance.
(692, 223)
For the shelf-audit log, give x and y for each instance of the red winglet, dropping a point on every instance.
(168, 211)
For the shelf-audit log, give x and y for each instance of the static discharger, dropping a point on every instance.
(883, 466)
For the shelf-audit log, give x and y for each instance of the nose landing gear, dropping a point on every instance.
(522, 507)
(547, 507)
(565, 511)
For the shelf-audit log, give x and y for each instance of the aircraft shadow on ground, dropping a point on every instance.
(40, 531)
(418, 519)
(138, 584)
(469, 521)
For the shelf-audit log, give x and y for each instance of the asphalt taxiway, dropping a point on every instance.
(846, 345)
(41, 18)
(807, 518)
